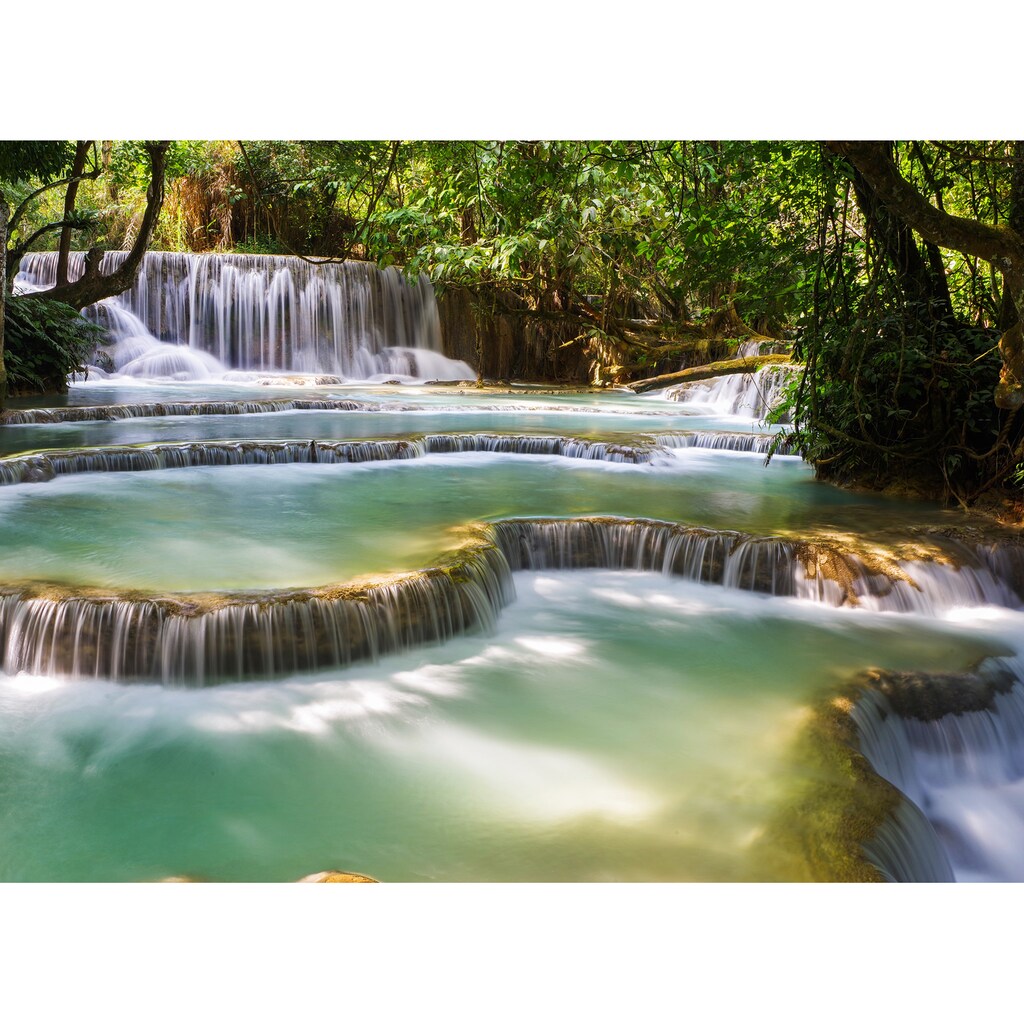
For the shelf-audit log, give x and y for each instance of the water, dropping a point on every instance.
(202, 317)
(222, 656)
(163, 413)
(965, 770)
(528, 771)
(738, 394)
(230, 527)
(598, 734)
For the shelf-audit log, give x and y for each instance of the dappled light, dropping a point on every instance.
(511, 511)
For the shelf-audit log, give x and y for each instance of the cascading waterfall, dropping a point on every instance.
(906, 849)
(568, 447)
(186, 638)
(200, 639)
(39, 467)
(721, 440)
(751, 395)
(148, 410)
(815, 571)
(709, 556)
(258, 406)
(959, 761)
(955, 770)
(193, 316)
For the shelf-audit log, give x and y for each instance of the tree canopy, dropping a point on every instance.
(29, 170)
(896, 269)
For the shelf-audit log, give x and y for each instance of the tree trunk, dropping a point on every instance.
(93, 286)
(745, 364)
(4, 214)
(64, 247)
(920, 281)
(1003, 247)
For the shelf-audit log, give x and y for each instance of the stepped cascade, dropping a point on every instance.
(197, 639)
(449, 634)
(748, 395)
(199, 316)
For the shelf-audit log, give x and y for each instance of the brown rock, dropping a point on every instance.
(337, 876)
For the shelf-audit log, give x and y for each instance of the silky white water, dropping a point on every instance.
(202, 317)
(219, 527)
(299, 525)
(617, 726)
(566, 721)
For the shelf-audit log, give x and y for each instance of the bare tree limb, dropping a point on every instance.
(745, 364)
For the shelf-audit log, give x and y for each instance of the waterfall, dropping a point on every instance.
(737, 394)
(193, 316)
(568, 447)
(201, 639)
(963, 770)
(906, 849)
(146, 410)
(733, 441)
(810, 570)
(190, 638)
(710, 556)
(39, 467)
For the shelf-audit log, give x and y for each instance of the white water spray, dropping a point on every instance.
(195, 316)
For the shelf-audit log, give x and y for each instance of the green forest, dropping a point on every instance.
(892, 271)
(511, 511)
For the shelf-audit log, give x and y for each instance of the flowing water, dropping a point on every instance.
(222, 656)
(196, 317)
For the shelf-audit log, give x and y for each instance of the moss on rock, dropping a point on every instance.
(840, 805)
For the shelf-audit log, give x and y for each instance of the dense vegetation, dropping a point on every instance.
(893, 268)
(45, 341)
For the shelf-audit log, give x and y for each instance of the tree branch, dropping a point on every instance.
(70, 197)
(14, 255)
(1001, 246)
(93, 286)
(26, 202)
(998, 245)
(745, 364)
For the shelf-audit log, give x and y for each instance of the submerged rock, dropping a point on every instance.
(338, 876)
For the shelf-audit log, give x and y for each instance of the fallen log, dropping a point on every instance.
(745, 364)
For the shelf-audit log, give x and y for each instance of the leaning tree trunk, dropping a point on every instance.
(92, 285)
(1003, 247)
(921, 281)
(4, 214)
(70, 197)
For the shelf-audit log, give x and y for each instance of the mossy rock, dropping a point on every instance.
(819, 836)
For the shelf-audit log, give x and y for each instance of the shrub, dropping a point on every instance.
(45, 342)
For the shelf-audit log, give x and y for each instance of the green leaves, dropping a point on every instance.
(20, 161)
(44, 342)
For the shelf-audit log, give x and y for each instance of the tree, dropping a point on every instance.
(18, 161)
(908, 328)
(1002, 246)
(46, 161)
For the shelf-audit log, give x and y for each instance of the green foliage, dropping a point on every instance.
(717, 239)
(20, 161)
(683, 230)
(899, 382)
(45, 342)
